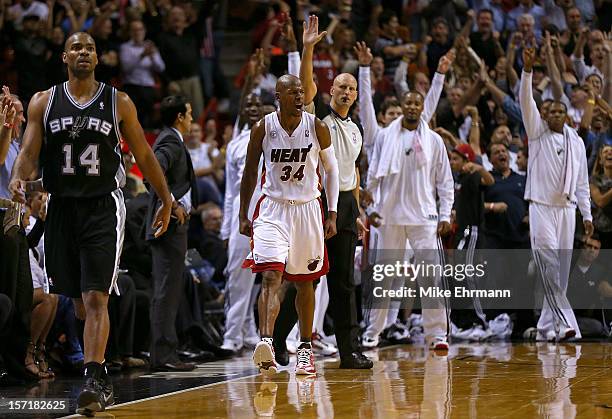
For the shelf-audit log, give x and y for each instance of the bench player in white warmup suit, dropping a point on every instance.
(371, 130)
(240, 292)
(410, 166)
(288, 231)
(557, 182)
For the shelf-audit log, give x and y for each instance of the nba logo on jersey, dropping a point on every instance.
(306, 133)
(273, 134)
(354, 138)
(101, 106)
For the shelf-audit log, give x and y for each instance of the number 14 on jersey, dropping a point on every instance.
(88, 158)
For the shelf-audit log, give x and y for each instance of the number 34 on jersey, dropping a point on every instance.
(291, 155)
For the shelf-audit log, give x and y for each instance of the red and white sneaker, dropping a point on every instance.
(263, 357)
(439, 343)
(305, 362)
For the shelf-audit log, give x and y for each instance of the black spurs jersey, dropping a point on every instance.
(81, 154)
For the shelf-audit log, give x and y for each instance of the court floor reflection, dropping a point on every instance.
(472, 381)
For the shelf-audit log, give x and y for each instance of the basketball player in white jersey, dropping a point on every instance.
(287, 231)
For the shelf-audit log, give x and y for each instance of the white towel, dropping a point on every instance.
(391, 153)
(569, 177)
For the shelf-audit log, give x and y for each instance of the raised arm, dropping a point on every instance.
(367, 114)
(534, 126)
(254, 68)
(474, 137)
(249, 176)
(497, 94)
(553, 70)
(437, 84)
(27, 160)
(133, 134)
(310, 38)
(290, 45)
(515, 43)
(578, 55)
(399, 78)
(7, 119)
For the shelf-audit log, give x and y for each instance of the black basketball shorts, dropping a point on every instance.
(83, 243)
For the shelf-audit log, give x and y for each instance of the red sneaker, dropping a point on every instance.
(305, 362)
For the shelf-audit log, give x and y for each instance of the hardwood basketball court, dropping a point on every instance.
(500, 379)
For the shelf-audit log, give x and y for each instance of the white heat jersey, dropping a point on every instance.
(291, 162)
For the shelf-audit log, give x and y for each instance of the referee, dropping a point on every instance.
(347, 141)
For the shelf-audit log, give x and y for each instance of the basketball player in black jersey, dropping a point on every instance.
(72, 137)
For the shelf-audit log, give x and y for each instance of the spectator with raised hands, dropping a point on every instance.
(367, 113)
(599, 55)
(77, 16)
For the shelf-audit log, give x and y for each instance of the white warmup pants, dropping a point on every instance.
(424, 242)
(240, 292)
(552, 240)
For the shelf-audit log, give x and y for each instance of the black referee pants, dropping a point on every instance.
(340, 283)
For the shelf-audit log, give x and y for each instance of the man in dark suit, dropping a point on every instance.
(168, 251)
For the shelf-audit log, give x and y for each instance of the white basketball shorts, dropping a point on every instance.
(288, 237)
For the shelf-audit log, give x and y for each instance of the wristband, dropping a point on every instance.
(591, 101)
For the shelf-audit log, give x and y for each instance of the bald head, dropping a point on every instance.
(290, 95)
(286, 82)
(343, 93)
(345, 78)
